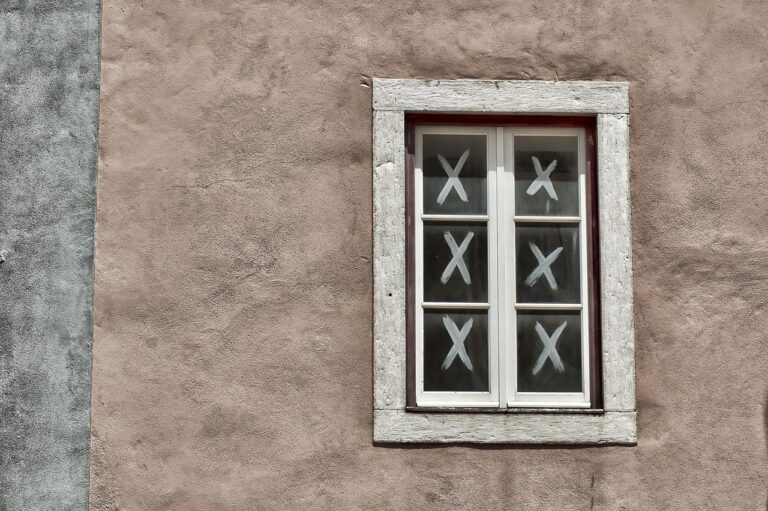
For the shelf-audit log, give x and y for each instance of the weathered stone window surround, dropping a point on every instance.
(609, 101)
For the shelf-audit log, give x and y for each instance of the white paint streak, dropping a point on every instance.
(457, 261)
(458, 338)
(550, 349)
(453, 181)
(544, 266)
(542, 179)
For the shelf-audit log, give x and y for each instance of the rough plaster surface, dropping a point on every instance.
(232, 351)
(49, 68)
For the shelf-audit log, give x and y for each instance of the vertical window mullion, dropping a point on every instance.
(494, 312)
(510, 285)
(501, 257)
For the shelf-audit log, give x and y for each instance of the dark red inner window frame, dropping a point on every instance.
(589, 123)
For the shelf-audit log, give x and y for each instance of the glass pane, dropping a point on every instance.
(546, 176)
(455, 262)
(548, 263)
(456, 351)
(549, 352)
(455, 170)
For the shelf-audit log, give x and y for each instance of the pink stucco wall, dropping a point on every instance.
(232, 348)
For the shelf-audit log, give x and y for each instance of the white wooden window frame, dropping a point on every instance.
(500, 220)
(506, 233)
(458, 399)
(609, 101)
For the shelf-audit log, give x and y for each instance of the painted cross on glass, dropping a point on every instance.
(544, 266)
(457, 259)
(458, 337)
(453, 182)
(542, 179)
(550, 349)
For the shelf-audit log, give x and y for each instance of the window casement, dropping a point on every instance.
(499, 252)
(502, 262)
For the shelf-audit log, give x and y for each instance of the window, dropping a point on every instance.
(502, 268)
(501, 251)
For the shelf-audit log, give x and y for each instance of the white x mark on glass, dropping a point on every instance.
(549, 351)
(544, 266)
(457, 261)
(458, 343)
(453, 178)
(542, 179)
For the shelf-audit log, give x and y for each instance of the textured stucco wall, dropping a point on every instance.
(49, 78)
(232, 352)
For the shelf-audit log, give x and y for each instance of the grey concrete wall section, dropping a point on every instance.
(49, 73)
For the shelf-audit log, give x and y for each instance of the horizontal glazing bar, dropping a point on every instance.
(455, 305)
(548, 306)
(455, 218)
(548, 219)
